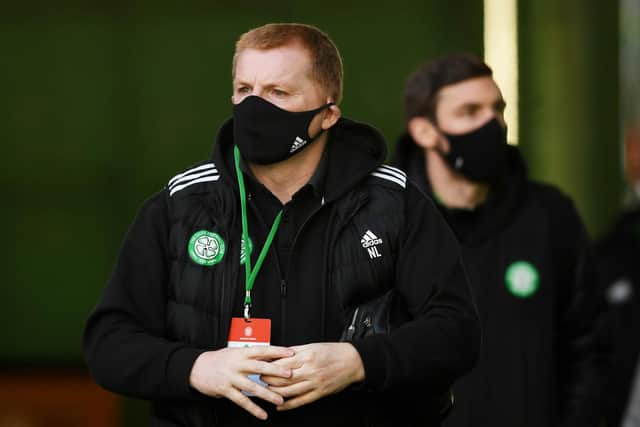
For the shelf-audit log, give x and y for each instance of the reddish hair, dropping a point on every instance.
(326, 63)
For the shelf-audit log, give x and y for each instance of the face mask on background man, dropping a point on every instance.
(479, 155)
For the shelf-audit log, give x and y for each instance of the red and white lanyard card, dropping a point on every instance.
(251, 333)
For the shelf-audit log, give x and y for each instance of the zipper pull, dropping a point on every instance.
(351, 330)
(283, 288)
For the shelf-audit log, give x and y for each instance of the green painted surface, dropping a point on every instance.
(569, 102)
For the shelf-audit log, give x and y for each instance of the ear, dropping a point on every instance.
(423, 132)
(331, 116)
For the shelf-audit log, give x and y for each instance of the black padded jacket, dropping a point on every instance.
(160, 310)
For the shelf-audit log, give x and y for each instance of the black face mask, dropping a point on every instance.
(267, 134)
(479, 155)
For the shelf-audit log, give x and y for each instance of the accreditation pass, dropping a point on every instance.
(243, 333)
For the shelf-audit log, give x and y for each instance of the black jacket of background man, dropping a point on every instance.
(160, 310)
(618, 260)
(540, 362)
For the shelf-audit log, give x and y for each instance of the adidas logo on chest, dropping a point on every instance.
(370, 242)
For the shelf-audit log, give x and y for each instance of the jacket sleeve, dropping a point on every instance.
(583, 350)
(442, 341)
(123, 340)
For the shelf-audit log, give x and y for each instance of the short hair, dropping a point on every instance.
(326, 63)
(423, 86)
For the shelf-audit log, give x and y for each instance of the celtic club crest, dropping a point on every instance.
(522, 279)
(206, 248)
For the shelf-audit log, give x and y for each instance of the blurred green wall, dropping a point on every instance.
(570, 126)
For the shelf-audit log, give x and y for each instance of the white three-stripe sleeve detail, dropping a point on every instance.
(194, 176)
(192, 170)
(393, 168)
(195, 181)
(393, 171)
(400, 182)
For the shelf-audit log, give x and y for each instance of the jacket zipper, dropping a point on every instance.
(283, 312)
(352, 327)
(359, 203)
(283, 282)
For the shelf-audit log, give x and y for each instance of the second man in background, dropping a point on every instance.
(525, 250)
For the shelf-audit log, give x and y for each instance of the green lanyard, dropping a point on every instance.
(251, 273)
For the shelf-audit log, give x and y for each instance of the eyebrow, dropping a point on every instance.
(467, 105)
(498, 103)
(267, 86)
(237, 82)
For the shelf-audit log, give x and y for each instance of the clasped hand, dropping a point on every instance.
(295, 376)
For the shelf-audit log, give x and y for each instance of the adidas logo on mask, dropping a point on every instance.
(297, 144)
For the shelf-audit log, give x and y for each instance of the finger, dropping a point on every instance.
(297, 375)
(299, 401)
(278, 381)
(267, 369)
(268, 352)
(293, 362)
(294, 390)
(259, 391)
(245, 403)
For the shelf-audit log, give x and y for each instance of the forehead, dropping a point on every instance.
(283, 63)
(479, 90)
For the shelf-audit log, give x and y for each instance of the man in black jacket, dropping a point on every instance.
(278, 240)
(525, 250)
(619, 270)
(618, 254)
